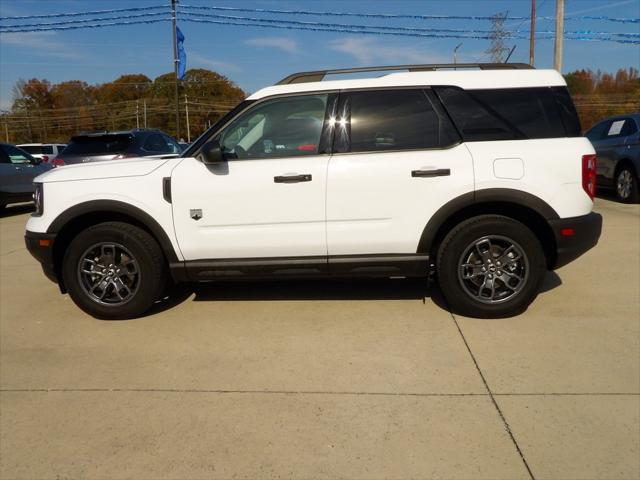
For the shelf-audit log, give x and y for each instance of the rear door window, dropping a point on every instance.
(32, 149)
(380, 120)
(99, 144)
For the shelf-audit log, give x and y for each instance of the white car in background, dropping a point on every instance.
(43, 151)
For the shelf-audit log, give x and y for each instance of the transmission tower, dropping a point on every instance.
(498, 36)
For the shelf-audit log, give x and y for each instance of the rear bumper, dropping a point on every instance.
(574, 236)
(40, 245)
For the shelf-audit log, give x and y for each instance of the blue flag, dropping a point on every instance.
(182, 56)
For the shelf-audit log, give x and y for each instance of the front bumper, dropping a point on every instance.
(574, 236)
(40, 245)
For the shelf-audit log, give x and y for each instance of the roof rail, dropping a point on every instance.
(318, 75)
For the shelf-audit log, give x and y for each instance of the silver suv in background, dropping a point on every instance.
(617, 144)
(99, 146)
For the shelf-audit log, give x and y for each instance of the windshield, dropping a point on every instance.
(99, 144)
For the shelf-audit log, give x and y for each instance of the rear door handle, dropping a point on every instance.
(439, 172)
(292, 178)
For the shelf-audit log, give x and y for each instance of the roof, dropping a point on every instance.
(467, 79)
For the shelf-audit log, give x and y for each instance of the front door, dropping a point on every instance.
(268, 199)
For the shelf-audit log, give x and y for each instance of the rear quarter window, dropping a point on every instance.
(510, 114)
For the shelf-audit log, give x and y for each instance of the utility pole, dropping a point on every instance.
(186, 111)
(6, 132)
(532, 34)
(498, 35)
(455, 53)
(137, 114)
(175, 64)
(144, 106)
(557, 62)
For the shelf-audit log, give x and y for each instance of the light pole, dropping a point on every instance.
(455, 53)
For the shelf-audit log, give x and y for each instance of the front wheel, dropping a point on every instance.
(490, 266)
(626, 185)
(114, 270)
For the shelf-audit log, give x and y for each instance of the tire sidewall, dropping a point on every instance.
(147, 291)
(633, 194)
(456, 243)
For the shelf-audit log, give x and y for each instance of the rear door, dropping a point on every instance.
(397, 159)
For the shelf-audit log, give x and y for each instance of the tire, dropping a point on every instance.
(509, 253)
(114, 271)
(626, 185)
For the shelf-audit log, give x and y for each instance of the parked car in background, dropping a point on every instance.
(617, 144)
(95, 147)
(43, 151)
(17, 171)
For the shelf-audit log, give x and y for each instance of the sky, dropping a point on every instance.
(258, 57)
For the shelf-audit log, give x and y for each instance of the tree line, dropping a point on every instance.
(46, 112)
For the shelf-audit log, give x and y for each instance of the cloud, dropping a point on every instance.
(43, 42)
(371, 51)
(201, 60)
(283, 43)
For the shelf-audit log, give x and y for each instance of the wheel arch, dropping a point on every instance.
(624, 161)
(516, 204)
(73, 220)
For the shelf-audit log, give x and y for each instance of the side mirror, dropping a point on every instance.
(35, 161)
(212, 153)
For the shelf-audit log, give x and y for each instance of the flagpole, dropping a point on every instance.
(175, 65)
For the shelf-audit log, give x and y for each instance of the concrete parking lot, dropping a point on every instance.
(324, 380)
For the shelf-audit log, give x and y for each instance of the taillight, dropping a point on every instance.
(57, 162)
(45, 158)
(589, 175)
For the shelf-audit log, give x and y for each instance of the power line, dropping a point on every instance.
(394, 15)
(288, 26)
(81, 21)
(76, 27)
(77, 14)
(401, 28)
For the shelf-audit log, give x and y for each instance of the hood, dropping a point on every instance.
(134, 167)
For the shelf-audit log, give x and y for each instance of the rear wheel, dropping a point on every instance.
(626, 185)
(114, 270)
(490, 266)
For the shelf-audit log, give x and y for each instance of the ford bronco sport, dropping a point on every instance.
(477, 172)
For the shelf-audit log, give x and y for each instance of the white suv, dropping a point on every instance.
(480, 175)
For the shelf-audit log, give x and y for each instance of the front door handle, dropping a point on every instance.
(292, 178)
(439, 172)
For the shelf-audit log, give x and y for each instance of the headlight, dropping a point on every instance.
(38, 199)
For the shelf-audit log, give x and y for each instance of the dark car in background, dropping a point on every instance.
(17, 171)
(617, 144)
(99, 146)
